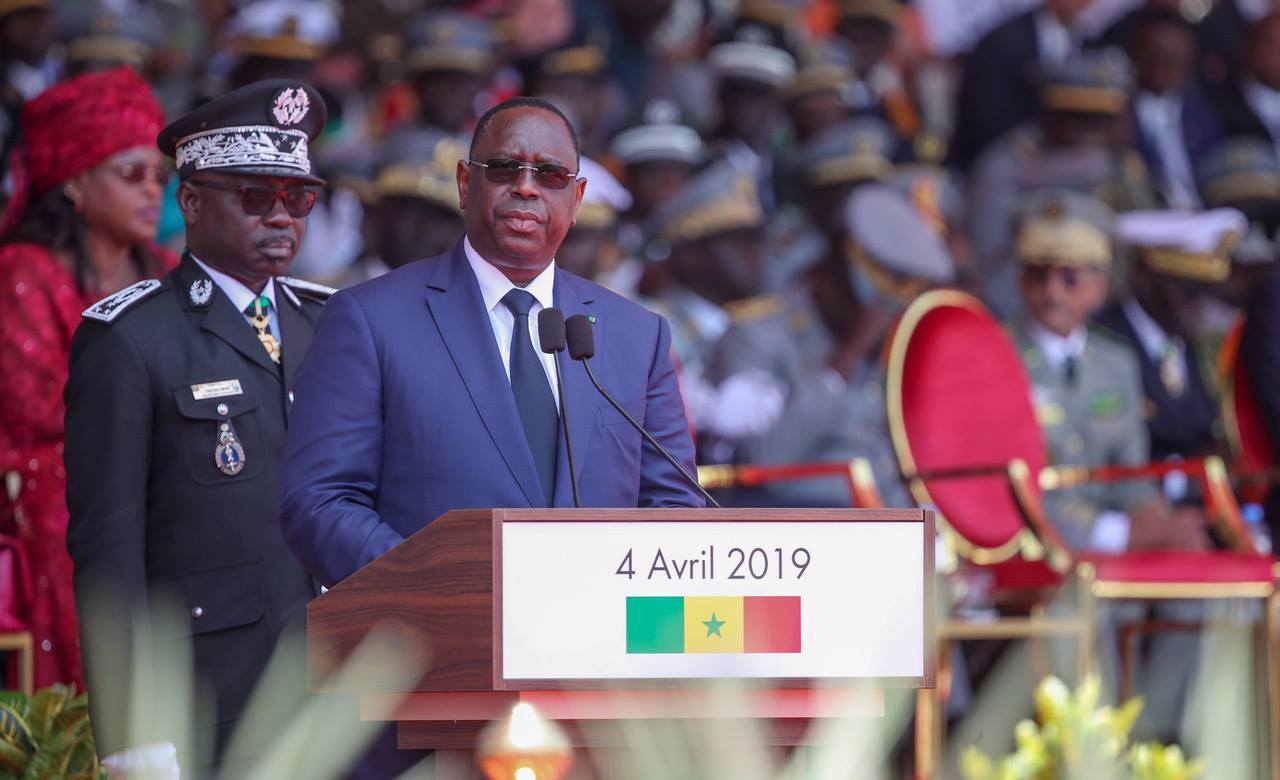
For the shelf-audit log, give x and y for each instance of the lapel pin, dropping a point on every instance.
(591, 318)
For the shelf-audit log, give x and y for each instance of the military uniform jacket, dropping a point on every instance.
(1093, 420)
(158, 507)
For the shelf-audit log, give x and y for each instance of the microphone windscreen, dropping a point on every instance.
(551, 330)
(582, 342)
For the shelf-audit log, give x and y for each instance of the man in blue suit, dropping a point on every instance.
(424, 390)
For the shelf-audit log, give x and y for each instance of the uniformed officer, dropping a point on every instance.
(411, 207)
(575, 75)
(98, 40)
(1078, 142)
(451, 60)
(279, 39)
(590, 248)
(750, 76)
(1178, 257)
(177, 404)
(714, 229)
(822, 342)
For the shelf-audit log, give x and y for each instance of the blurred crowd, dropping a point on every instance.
(779, 178)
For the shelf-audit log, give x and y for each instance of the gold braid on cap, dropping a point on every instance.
(1084, 100)
(816, 78)
(596, 214)
(433, 180)
(576, 60)
(740, 208)
(1212, 266)
(1056, 239)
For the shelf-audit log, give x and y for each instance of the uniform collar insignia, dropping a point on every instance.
(201, 291)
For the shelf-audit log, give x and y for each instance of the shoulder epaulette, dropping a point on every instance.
(750, 310)
(111, 306)
(310, 289)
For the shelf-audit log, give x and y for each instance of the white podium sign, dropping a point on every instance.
(755, 599)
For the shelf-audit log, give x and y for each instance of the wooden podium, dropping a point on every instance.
(601, 617)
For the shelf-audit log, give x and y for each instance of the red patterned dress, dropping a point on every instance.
(40, 307)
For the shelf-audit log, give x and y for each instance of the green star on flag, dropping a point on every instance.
(713, 625)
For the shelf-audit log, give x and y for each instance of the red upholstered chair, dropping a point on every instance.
(856, 474)
(1254, 454)
(967, 441)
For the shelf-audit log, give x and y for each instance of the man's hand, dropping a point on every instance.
(156, 761)
(1156, 526)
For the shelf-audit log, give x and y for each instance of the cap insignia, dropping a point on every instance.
(290, 106)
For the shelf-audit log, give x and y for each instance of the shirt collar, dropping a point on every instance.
(1057, 349)
(494, 284)
(241, 297)
(1159, 108)
(1264, 100)
(1153, 338)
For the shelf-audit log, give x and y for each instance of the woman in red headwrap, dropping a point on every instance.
(88, 185)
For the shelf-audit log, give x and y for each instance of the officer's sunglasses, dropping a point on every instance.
(504, 170)
(257, 200)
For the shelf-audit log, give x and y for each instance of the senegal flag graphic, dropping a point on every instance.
(713, 624)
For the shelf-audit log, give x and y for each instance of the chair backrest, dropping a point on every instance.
(959, 401)
(1246, 430)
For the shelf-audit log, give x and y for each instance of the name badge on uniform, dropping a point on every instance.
(220, 389)
(229, 453)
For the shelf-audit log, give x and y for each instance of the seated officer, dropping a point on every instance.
(1088, 396)
(1178, 256)
(714, 231)
(1086, 383)
(821, 341)
(411, 208)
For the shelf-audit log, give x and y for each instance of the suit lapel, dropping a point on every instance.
(455, 303)
(295, 335)
(580, 396)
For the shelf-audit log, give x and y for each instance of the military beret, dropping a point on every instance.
(754, 62)
(858, 150)
(1092, 82)
(285, 29)
(1064, 227)
(1239, 169)
(443, 40)
(887, 234)
(264, 128)
(719, 199)
(1192, 245)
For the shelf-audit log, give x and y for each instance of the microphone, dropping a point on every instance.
(582, 347)
(551, 338)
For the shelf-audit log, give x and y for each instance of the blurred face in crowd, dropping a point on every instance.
(870, 39)
(811, 114)
(1076, 130)
(745, 107)
(518, 226)
(1172, 302)
(448, 98)
(1061, 297)
(825, 206)
(1163, 53)
(120, 197)
(1262, 50)
(721, 268)
(653, 183)
(588, 251)
(246, 247)
(26, 35)
(586, 97)
(405, 228)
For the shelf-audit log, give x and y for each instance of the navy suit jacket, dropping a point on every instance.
(1201, 131)
(402, 412)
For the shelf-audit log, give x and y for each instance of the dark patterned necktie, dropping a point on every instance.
(534, 400)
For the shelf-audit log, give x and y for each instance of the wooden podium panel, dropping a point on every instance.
(550, 607)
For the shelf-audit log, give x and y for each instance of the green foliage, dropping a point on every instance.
(1073, 737)
(47, 737)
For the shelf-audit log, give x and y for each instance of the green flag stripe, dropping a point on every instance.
(655, 624)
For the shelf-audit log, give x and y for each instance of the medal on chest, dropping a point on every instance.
(228, 455)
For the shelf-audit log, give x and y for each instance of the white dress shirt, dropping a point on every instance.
(1110, 532)
(493, 286)
(1160, 117)
(242, 297)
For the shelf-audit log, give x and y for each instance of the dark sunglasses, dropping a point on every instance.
(1039, 274)
(503, 170)
(137, 173)
(257, 200)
